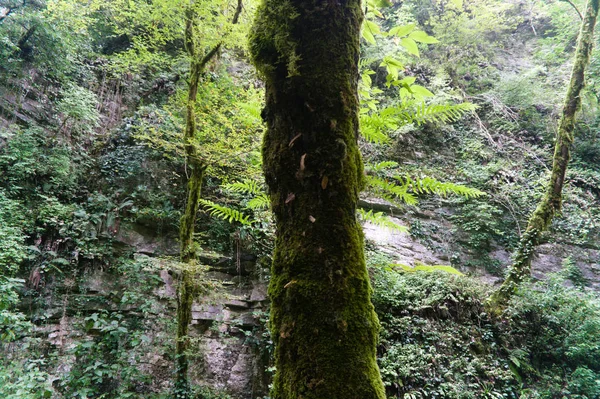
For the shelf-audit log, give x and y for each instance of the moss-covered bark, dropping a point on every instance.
(185, 291)
(322, 320)
(550, 204)
(187, 287)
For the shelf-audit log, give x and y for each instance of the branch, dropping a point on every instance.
(209, 56)
(380, 207)
(215, 50)
(238, 11)
(575, 7)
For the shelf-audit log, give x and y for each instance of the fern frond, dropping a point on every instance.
(381, 220)
(391, 190)
(378, 167)
(260, 202)
(411, 112)
(430, 185)
(366, 62)
(373, 134)
(428, 268)
(245, 187)
(251, 109)
(224, 212)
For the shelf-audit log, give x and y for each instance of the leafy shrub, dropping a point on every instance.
(437, 341)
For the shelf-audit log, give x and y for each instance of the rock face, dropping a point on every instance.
(229, 326)
(440, 248)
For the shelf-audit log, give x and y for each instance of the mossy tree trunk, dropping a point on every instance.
(551, 202)
(187, 288)
(322, 320)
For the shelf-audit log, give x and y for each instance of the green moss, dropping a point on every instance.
(270, 38)
(323, 323)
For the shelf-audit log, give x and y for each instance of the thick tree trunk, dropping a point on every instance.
(322, 320)
(550, 204)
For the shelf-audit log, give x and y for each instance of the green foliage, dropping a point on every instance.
(13, 324)
(403, 190)
(79, 109)
(224, 212)
(103, 365)
(33, 163)
(375, 125)
(482, 222)
(571, 271)
(557, 325)
(437, 341)
(427, 268)
(381, 220)
(26, 380)
(46, 35)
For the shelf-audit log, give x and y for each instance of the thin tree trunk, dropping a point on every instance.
(185, 292)
(187, 288)
(551, 203)
(322, 321)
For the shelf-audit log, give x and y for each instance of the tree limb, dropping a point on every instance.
(575, 7)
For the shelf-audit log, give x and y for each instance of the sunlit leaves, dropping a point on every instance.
(457, 3)
(427, 268)
(410, 45)
(402, 30)
(381, 220)
(370, 29)
(422, 37)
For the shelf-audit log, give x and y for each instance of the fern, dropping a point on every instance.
(245, 187)
(379, 219)
(259, 202)
(390, 191)
(371, 133)
(373, 126)
(430, 185)
(366, 62)
(251, 109)
(409, 112)
(378, 167)
(225, 213)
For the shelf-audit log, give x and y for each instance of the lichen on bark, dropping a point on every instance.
(551, 202)
(322, 320)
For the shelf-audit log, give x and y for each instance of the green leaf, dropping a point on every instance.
(408, 81)
(403, 30)
(369, 30)
(368, 36)
(383, 3)
(410, 45)
(372, 27)
(457, 3)
(420, 90)
(224, 212)
(378, 167)
(422, 37)
(381, 220)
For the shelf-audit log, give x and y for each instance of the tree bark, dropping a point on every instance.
(551, 202)
(187, 290)
(322, 321)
